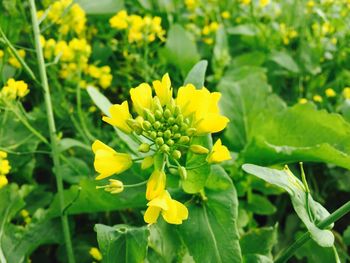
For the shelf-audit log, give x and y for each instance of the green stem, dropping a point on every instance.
(52, 128)
(336, 215)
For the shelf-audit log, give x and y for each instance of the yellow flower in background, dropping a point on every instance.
(191, 4)
(163, 89)
(317, 98)
(172, 211)
(119, 21)
(330, 93)
(346, 93)
(264, 3)
(1, 54)
(246, 2)
(14, 89)
(155, 184)
(119, 116)
(3, 181)
(4, 169)
(302, 101)
(219, 153)
(225, 14)
(108, 161)
(95, 253)
(141, 97)
(13, 61)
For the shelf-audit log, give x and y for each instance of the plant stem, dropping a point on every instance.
(336, 215)
(52, 128)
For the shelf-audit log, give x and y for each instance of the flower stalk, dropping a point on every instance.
(52, 128)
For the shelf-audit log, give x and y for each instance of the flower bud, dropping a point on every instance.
(146, 125)
(179, 119)
(170, 142)
(176, 110)
(184, 127)
(191, 131)
(182, 172)
(153, 135)
(158, 114)
(198, 149)
(177, 135)
(165, 148)
(175, 128)
(149, 115)
(144, 148)
(159, 141)
(184, 139)
(171, 120)
(159, 134)
(167, 114)
(147, 162)
(167, 134)
(157, 125)
(114, 187)
(176, 154)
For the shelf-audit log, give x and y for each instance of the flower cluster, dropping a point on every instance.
(166, 128)
(209, 32)
(69, 16)
(140, 29)
(14, 89)
(4, 169)
(287, 33)
(13, 61)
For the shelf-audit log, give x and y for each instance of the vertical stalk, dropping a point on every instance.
(52, 128)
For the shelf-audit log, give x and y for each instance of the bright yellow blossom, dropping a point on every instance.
(317, 98)
(330, 93)
(108, 161)
(13, 61)
(225, 15)
(95, 253)
(346, 93)
(14, 89)
(172, 211)
(163, 89)
(119, 116)
(141, 97)
(155, 184)
(246, 2)
(3, 181)
(1, 54)
(219, 153)
(264, 3)
(119, 21)
(4, 169)
(302, 101)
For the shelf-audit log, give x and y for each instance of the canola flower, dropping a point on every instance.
(139, 29)
(209, 31)
(95, 253)
(287, 33)
(166, 127)
(14, 89)
(4, 169)
(13, 61)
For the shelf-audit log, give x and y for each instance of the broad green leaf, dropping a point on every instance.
(92, 7)
(67, 143)
(74, 169)
(300, 200)
(196, 178)
(180, 49)
(259, 241)
(254, 58)
(314, 253)
(245, 95)
(285, 60)
(122, 243)
(210, 233)
(300, 133)
(196, 76)
(104, 104)
(346, 236)
(256, 258)
(85, 198)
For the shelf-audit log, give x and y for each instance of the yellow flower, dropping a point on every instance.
(219, 153)
(163, 89)
(346, 93)
(141, 97)
(147, 162)
(191, 4)
(246, 2)
(317, 98)
(95, 253)
(108, 161)
(119, 115)
(172, 211)
(208, 40)
(225, 15)
(14, 89)
(302, 101)
(264, 3)
(330, 93)
(3, 181)
(214, 26)
(105, 80)
(13, 60)
(1, 54)
(155, 184)
(119, 21)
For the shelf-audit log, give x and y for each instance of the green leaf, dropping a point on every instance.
(314, 253)
(245, 30)
(255, 258)
(260, 205)
(300, 133)
(104, 104)
(180, 49)
(285, 61)
(85, 198)
(259, 241)
(67, 143)
(196, 178)
(210, 233)
(196, 76)
(92, 7)
(295, 188)
(122, 243)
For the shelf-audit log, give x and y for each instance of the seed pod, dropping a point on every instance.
(144, 148)
(198, 149)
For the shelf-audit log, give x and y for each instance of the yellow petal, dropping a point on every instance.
(211, 123)
(176, 213)
(186, 99)
(155, 184)
(141, 97)
(3, 181)
(119, 115)
(161, 201)
(163, 89)
(108, 161)
(151, 215)
(219, 153)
